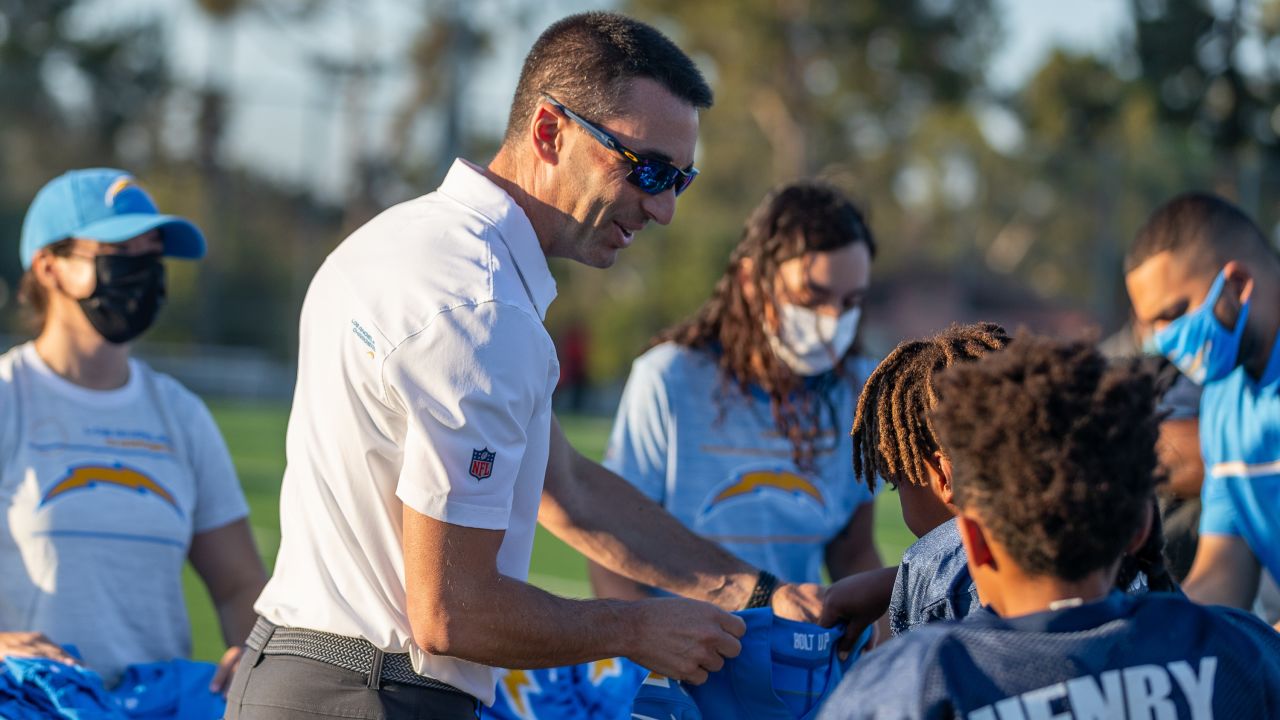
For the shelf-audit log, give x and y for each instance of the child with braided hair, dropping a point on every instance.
(894, 438)
(1054, 458)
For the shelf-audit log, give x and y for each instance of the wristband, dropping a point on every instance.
(766, 584)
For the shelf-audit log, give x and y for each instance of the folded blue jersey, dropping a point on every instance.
(42, 688)
(177, 689)
(50, 689)
(661, 698)
(601, 690)
(785, 671)
(1155, 655)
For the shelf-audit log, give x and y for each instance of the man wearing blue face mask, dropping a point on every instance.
(1203, 277)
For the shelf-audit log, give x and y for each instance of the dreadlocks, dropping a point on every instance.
(1054, 449)
(892, 433)
(794, 219)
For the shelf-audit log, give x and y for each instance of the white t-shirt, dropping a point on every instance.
(424, 379)
(100, 493)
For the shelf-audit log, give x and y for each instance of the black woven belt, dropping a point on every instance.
(354, 654)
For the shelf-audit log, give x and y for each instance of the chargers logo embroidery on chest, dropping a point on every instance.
(482, 463)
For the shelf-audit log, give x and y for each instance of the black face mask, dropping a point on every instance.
(128, 296)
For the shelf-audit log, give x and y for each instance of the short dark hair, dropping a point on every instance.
(586, 60)
(33, 297)
(892, 438)
(1203, 224)
(793, 219)
(1053, 449)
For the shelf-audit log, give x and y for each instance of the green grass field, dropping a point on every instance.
(255, 434)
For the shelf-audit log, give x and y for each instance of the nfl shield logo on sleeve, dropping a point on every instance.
(482, 463)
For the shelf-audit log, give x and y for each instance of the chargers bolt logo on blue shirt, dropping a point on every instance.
(760, 481)
(482, 463)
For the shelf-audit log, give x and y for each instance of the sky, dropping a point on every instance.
(293, 124)
(1034, 27)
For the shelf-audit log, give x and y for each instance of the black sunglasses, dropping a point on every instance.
(650, 175)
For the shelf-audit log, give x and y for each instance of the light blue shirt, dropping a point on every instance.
(713, 458)
(1240, 440)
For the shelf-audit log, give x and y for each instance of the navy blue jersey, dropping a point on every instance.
(1149, 656)
(933, 582)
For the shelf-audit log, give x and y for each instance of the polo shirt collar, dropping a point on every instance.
(466, 183)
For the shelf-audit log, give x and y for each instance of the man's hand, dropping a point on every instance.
(684, 639)
(798, 602)
(857, 601)
(32, 644)
(221, 681)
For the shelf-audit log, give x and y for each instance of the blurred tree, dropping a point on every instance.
(75, 97)
(1215, 67)
(844, 89)
(1075, 110)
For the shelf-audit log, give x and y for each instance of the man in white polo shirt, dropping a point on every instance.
(422, 447)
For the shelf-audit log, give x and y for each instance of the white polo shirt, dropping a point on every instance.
(424, 379)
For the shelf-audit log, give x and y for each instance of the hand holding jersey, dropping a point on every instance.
(424, 351)
(857, 602)
(684, 639)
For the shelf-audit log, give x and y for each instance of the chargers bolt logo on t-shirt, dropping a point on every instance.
(482, 463)
(88, 477)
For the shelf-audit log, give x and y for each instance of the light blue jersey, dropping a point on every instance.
(723, 469)
(1240, 440)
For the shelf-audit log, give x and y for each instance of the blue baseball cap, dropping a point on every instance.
(104, 205)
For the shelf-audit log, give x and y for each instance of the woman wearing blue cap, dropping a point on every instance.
(111, 475)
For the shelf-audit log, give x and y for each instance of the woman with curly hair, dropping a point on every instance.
(733, 420)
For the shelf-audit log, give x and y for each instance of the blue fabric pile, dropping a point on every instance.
(39, 689)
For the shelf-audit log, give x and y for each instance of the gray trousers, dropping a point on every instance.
(284, 687)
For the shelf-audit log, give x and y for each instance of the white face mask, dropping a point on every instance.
(809, 343)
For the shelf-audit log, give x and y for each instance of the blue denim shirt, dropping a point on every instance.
(933, 582)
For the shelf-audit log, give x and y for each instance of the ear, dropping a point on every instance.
(42, 264)
(546, 132)
(974, 539)
(940, 477)
(1239, 279)
(1144, 530)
